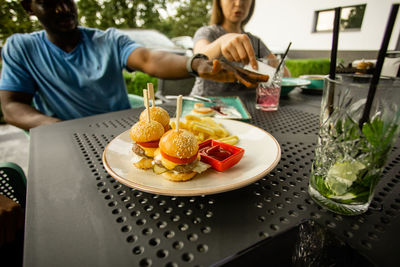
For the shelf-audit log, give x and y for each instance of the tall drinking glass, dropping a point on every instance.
(349, 158)
(268, 93)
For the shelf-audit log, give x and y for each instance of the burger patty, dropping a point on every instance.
(181, 168)
(138, 150)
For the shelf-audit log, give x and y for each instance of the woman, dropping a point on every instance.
(226, 38)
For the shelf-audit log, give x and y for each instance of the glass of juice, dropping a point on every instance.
(268, 93)
(350, 156)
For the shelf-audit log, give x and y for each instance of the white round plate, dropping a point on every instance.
(262, 154)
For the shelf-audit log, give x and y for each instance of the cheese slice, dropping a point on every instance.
(136, 158)
(149, 151)
(201, 167)
(168, 164)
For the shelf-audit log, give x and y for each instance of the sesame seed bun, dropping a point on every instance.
(179, 144)
(146, 131)
(157, 114)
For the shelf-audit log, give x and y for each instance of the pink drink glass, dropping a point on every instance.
(268, 97)
(268, 94)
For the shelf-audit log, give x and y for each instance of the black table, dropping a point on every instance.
(78, 215)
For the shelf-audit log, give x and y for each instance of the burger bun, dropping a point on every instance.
(157, 114)
(146, 131)
(178, 177)
(180, 144)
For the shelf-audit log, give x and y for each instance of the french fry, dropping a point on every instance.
(190, 117)
(212, 137)
(182, 125)
(209, 120)
(204, 129)
(201, 137)
(232, 140)
(221, 131)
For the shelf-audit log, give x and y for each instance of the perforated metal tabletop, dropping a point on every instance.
(78, 215)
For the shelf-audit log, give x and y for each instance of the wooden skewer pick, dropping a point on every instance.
(178, 110)
(146, 103)
(150, 88)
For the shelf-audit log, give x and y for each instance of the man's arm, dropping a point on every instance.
(158, 63)
(169, 66)
(17, 110)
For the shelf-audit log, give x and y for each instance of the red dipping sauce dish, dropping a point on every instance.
(221, 156)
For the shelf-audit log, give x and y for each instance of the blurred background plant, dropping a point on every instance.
(137, 81)
(299, 67)
(171, 17)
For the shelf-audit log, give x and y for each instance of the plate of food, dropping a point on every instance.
(222, 107)
(261, 154)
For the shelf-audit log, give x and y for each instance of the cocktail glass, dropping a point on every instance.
(349, 158)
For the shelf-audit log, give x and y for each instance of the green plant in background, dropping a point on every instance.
(137, 81)
(300, 67)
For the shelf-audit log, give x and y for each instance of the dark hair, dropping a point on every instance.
(217, 16)
(26, 4)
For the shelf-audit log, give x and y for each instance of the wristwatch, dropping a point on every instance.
(190, 61)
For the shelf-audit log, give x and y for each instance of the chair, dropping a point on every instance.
(13, 182)
(135, 101)
(13, 186)
(174, 87)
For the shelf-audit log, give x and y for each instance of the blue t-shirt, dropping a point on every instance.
(86, 81)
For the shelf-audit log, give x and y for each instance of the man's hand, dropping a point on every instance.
(219, 71)
(11, 220)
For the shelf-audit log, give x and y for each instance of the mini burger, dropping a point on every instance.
(177, 158)
(146, 136)
(157, 114)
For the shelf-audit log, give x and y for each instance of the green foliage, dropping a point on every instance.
(146, 14)
(137, 81)
(13, 19)
(299, 67)
(121, 13)
(190, 15)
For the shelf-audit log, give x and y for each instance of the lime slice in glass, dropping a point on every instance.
(346, 196)
(342, 175)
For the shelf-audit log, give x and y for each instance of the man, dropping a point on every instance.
(69, 72)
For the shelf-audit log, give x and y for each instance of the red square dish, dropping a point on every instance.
(215, 153)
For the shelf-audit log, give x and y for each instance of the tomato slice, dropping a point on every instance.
(151, 144)
(178, 160)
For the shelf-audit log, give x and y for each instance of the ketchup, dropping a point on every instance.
(215, 152)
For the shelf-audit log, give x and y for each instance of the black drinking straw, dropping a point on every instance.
(379, 64)
(283, 57)
(336, 24)
(332, 68)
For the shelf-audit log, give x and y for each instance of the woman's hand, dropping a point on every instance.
(225, 72)
(237, 47)
(233, 46)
